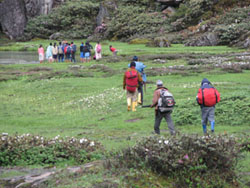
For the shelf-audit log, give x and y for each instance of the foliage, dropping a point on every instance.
(190, 159)
(73, 19)
(133, 20)
(29, 150)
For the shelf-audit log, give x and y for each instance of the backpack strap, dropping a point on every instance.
(130, 72)
(216, 95)
(203, 99)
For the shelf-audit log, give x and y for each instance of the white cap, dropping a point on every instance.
(159, 83)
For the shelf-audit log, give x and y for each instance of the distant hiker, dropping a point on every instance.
(49, 54)
(98, 51)
(207, 98)
(67, 51)
(131, 80)
(86, 52)
(41, 53)
(113, 50)
(81, 53)
(73, 52)
(89, 46)
(55, 52)
(60, 52)
(139, 66)
(163, 102)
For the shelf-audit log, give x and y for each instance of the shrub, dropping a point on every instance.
(29, 150)
(73, 19)
(189, 159)
(134, 20)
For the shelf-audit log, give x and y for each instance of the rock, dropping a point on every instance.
(169, 11)
(243, 41)
(12, 17)
(56, 36)
(14, 14)
(207, 39)
(159, 42)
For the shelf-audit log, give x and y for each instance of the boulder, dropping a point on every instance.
(56, 36)
(159, 42)
(12, 17)
(207, 39)
(14, 14)
(243, 41)
(169, 11)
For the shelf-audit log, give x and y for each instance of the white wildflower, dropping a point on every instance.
(92, 143)
(166, 142)
(4, 134)
(160, 141)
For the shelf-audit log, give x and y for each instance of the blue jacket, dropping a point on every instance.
(139, 66)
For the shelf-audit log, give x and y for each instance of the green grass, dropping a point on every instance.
(123, 48)
(95, 108)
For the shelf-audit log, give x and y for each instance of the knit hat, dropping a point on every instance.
(135, 58)
(132, 64)
(159, 83)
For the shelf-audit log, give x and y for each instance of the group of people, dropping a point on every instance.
(65, 52)
(163, 101)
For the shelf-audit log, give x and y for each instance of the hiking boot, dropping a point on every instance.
(133, 106)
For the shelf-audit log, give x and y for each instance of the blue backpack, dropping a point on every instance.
(69, 49)
(74, 48)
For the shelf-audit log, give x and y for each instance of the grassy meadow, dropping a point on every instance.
(93, 105)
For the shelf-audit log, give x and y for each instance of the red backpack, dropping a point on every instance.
(208, 96)
(131, 80)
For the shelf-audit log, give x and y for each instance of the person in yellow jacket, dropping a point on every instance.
(131, 81)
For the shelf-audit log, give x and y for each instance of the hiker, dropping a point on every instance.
(130, 81)
(86, 52)
(207, 98)
(163, 102)
(73, 52)
(49, 54)
(41, 53)
(98, 51)
(113, 50)
(81, 53)
(55, 52)
(139, 66)
(60, 52)
(67, 51)
(89, 46)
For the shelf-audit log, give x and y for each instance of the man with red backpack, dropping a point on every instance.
(207, 98)
(130, 82)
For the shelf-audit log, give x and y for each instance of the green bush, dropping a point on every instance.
(134, 20)
(73, 19)
(188, 159)
(36, 150)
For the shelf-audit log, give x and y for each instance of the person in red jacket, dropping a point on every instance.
(131, 81)
(112, 49)
(207, 98)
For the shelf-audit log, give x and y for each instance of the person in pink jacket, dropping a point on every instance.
(41, 53)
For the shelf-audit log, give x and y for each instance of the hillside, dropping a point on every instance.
(193, 22)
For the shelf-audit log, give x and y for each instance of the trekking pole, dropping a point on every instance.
(144, 87)
(146, 106)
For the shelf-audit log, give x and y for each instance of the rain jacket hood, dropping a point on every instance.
(206, 83)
